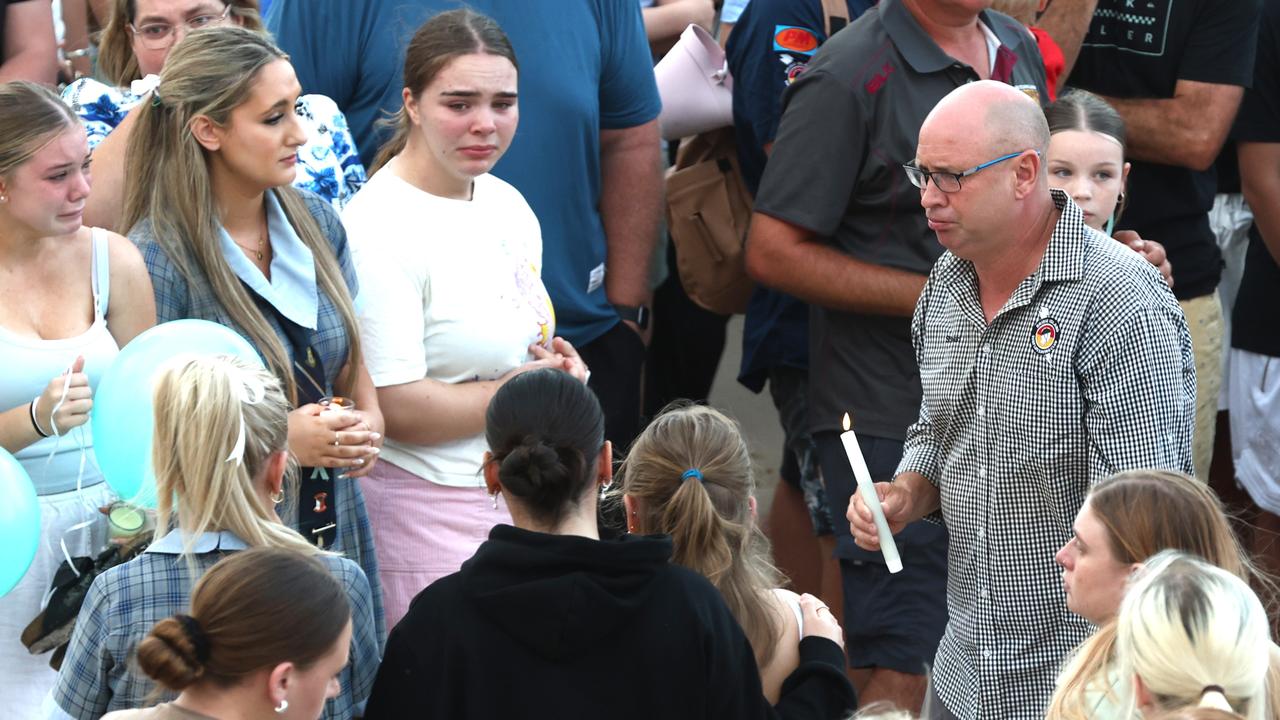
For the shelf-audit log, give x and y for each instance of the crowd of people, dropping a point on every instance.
(470, 471)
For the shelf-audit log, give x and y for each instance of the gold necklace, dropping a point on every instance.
(261, 241)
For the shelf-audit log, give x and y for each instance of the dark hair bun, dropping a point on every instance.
(535, 472)
(170, 655)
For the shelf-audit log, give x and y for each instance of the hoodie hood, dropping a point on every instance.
(560, 594)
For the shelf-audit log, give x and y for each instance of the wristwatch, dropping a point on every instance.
(638, 314)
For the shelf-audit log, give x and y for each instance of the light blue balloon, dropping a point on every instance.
(122, 418)
(19, 521)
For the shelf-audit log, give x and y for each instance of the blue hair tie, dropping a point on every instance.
(692, 473)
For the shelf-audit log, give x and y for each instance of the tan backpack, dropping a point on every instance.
(709, 209)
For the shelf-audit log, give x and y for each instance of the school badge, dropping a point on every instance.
(1045, 335)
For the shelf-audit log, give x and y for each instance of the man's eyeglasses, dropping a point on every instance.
(949, 182)
(160, 35)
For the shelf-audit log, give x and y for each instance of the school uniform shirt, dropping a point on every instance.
(455, 298)
(126, 601)
(1086, 371)
(294, 292)
(328, 164)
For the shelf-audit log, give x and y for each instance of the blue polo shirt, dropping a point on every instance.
(584, 67)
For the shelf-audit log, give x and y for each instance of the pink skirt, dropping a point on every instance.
(423, 530)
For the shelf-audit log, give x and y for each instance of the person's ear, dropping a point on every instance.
(278, 681)
(277, 464)
(751, 505)
(410, 106)
(632, 506)
(1124, 177)
(605, 464)
(206, 132)
(1027, 174)
(491, 483)
(1141, 695)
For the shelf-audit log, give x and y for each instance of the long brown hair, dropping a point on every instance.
(436, 43)
(210, 73)
(1143, 513)
(116, 61)
(251, 611)
(708, 517)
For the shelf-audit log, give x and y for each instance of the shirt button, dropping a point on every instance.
(986, 653)
(986, 349)
(982, 593)
(982, 410)
(982, 473)
(982, 533)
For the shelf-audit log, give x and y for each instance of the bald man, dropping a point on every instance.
(1051, 357)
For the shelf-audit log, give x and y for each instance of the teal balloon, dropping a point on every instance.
(122, 418)
(19, 521)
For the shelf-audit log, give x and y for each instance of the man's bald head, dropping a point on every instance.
(1005, 118)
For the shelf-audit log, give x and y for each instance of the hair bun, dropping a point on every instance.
(532, 466)
(174, 652)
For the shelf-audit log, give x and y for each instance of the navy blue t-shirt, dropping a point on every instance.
(585, 66)
(771, 45)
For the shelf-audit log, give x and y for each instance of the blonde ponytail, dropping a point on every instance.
(202, 407)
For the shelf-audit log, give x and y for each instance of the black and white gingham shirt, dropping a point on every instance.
(1087, 370)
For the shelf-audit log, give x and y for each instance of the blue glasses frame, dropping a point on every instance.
(949, 182)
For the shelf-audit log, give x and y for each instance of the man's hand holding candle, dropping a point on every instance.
(908, 498)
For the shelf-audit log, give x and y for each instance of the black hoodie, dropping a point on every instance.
(554, 626)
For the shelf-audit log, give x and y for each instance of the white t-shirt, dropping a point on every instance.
(449, 290)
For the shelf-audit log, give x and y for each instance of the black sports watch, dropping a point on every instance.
(638, 314)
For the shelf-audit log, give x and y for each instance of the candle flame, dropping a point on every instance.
(847, 424)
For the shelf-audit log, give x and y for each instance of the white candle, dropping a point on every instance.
(869, 497)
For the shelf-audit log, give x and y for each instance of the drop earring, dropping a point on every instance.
(284, 705)
(494, 497)
(604, 489)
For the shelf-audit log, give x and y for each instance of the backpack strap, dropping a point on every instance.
(835, 15)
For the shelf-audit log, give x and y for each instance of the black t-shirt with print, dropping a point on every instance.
(1140, 49)
(1253, 319)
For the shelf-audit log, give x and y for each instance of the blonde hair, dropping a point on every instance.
(31, 117)
(1187, 628)
(116, 61)
(708, 518)
(200, 405)
(1144, 512)
(210, 73)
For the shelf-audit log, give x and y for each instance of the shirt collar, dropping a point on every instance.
(919, 50)
(174, 542)
(1064, 257)
(292, 287)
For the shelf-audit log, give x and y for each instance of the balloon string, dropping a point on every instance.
(78, 432)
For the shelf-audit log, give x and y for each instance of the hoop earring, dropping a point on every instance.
(284, 705)
(277, 497)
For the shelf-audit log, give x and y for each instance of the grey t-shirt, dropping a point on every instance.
(849, 123)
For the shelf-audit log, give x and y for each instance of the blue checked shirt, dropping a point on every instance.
(98, 674)
(176, 299)
(1086, 371)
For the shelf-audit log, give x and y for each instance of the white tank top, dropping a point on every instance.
(30, 363)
